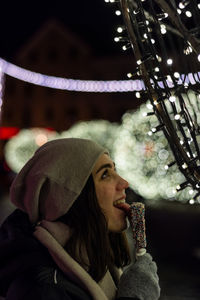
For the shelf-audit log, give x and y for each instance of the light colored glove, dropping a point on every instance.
(140, 280)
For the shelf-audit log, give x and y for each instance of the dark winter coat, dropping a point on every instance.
(27, 271)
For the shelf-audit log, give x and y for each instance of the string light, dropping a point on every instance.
(139, 61)
(191, 201)
(169, 61)
(176, 75)
(177, 117)
(188, 14)
(138, 95)
(163, 29)
(184, 166)
(172, 98)
(116, 39)
(162, 16)
(96, 86)
(70, 84)
(120, 29)
(118, 12)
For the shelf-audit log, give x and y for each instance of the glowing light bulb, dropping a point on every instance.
(176, 75)
(172, 98)
(188, 14)
(169, 61)
(179, 11)
(188, 50)
(177, 117)
(181, 5)
(163, 29)
(129, 75)
(137, 94)
(118, 12)
(184, 166)
(119, 29)
(158, 58)
(191, 201)
(116, 39)
(157, 69)
(198, 57)
(139, 62)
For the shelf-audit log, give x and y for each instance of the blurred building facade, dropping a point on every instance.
(58, 52)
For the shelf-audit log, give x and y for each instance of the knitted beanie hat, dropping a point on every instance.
(53, 178)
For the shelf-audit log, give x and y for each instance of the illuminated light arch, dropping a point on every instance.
(94, 86)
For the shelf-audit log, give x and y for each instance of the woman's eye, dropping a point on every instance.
(105, 174)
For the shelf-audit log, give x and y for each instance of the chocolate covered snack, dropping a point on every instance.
(136, 218)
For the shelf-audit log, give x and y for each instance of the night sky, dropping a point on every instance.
(94, 20)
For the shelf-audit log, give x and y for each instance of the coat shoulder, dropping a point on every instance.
(45, 283)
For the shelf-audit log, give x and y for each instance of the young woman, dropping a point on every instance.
(66, 240)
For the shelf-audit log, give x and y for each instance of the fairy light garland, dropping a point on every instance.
(155, 44)
(95, 86)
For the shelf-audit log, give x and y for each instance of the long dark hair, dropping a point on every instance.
(90, 232)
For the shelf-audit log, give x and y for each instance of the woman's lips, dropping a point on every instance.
(121, 204)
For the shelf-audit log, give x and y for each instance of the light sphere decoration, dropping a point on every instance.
(20, 148)
(165, 44)
(102, 132)
(144, 158)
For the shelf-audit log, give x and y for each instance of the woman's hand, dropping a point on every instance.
(140, 280)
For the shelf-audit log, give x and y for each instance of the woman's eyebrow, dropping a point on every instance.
(105, 166)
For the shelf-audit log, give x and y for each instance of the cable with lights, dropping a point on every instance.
(161, 56)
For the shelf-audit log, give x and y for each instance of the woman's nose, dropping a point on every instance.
(122, 183)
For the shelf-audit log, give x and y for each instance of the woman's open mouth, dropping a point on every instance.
(120, 201)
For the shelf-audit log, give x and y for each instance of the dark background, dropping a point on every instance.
(93, 20)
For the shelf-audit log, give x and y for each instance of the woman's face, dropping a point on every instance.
(110, 189)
